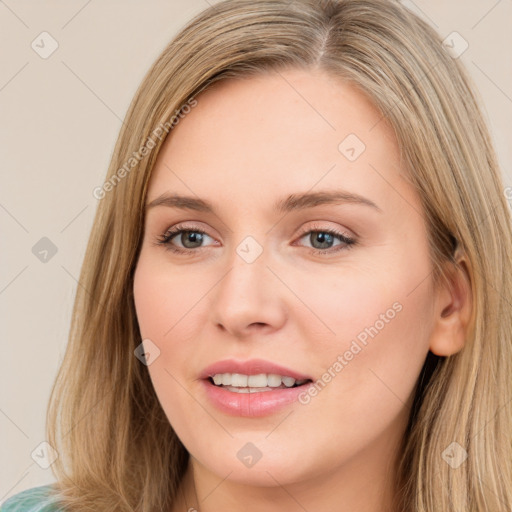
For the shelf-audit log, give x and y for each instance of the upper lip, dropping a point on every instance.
(251, 367)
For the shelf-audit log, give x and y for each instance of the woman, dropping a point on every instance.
(301, 297)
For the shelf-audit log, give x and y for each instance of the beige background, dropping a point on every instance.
(60, 119)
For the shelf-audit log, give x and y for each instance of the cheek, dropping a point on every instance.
(371, 325)
(171, 305)
(369, 368)
(370, 363)
(164, 306)
(341, 305)
(164, 298)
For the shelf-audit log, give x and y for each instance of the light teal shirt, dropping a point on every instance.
(35, 499)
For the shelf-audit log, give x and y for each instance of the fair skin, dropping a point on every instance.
(247, 144)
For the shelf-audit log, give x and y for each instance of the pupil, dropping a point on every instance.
(322, 237)
(195, 238)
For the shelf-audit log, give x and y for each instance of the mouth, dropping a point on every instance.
(260, 383)
(252, 388)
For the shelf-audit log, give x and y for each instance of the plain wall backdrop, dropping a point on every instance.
(60, 117)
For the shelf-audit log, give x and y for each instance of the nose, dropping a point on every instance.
(249, 298)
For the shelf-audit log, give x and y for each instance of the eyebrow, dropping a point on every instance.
(293, 202)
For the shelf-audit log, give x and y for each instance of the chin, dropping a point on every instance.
(269, 470)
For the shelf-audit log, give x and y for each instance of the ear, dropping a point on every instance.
(452, 309)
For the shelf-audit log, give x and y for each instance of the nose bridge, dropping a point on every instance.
(248, 276)
(249, 292)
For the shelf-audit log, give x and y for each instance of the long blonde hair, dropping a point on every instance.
(117, 450)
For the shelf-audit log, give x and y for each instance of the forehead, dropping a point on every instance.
(255, 139)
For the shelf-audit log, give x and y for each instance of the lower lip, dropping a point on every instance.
(257, 404)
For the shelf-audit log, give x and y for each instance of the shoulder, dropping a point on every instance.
(35, 499)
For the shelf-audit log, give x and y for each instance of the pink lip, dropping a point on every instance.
(251, 404)
(250, 367)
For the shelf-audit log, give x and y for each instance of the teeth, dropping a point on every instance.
(274, 381)
(256, 381)
(288, 381)
(238, 380)
(253, 383)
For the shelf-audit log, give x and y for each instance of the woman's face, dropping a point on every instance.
(289, 164)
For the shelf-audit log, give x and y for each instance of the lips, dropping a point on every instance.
(260, 401)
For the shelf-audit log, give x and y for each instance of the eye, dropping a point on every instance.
(190, 237)
(322, 239)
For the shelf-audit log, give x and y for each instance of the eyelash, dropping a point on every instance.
(166, 238)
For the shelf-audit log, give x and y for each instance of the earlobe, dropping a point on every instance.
(452, 311)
